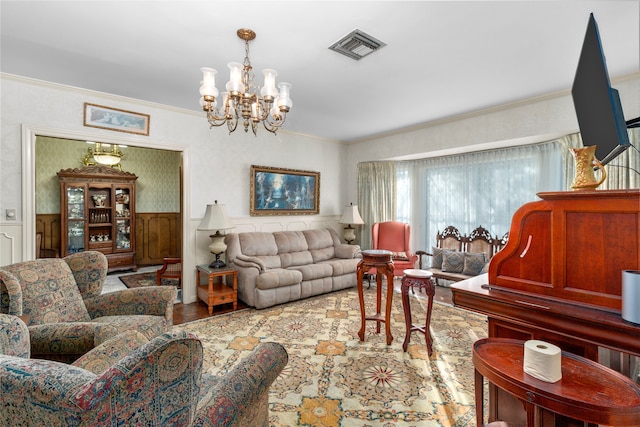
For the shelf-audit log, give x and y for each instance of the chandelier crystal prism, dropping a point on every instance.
(243, 100)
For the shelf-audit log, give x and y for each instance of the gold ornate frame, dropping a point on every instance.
(277, 191)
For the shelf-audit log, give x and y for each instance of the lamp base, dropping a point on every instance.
(349, 234)
(217, 263)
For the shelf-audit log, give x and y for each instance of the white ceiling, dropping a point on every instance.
(442, 58)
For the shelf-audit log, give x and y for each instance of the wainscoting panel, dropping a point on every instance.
(158, 235)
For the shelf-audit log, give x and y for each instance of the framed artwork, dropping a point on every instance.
(98, 116)
(276, 191)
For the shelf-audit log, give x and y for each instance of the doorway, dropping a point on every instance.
(30, 137)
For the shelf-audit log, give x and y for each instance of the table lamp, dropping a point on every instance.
(215, 219)
(350, 216)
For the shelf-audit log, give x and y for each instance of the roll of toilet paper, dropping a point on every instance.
(543, 360)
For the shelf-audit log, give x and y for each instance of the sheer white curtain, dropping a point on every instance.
(468, 190)
(624, 171)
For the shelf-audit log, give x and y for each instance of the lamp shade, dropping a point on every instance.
(351, 215)
(215, 219)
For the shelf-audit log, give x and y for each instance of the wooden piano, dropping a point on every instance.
(559, 279)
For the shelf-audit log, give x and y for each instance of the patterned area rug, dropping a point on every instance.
(144, 279)
(333, 379)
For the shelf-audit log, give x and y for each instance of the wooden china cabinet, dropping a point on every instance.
(97, 212)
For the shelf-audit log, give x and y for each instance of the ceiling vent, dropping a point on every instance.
(357, 45)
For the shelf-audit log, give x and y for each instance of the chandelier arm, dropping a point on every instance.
(245, 105)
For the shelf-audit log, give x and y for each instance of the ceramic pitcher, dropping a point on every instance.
(586, 163)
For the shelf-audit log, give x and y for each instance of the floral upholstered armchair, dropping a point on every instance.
(132, 381)
(62, 303)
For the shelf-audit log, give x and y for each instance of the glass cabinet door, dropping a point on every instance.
(123, 218)
(123, 234)
(75, 219)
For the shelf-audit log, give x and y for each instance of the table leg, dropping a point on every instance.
(531, 414)
(387, 314)
(360, 273)
(406, 307)
(235, 291)
(479, 396)
(430, 290)
(378, 300)
(210, 302)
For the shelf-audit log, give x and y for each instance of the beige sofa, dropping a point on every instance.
(274, 268)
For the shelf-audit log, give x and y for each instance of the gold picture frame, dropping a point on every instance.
(278, 191)
(99, 116)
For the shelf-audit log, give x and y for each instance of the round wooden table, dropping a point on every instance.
(382, 262)
(587, 391)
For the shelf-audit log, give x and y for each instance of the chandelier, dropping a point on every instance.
(104, 154)
(244, 101)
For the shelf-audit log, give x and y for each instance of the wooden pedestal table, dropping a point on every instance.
(587, 391)
(221, 292)
(420, 279)
(382, 262)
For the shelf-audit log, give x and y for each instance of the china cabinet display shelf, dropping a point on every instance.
(98, 213)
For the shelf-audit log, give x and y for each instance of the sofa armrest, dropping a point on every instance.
(10, 294)
(241, 397)
(420, 254)
(14, 336)
(250, 261)
(150, 300)
(100, 358)
(346, 251)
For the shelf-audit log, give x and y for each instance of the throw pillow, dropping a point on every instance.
(436, 259)
(452, 262)
(473, 263)
(400, 256)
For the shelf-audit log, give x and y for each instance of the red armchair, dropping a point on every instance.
(394, 236)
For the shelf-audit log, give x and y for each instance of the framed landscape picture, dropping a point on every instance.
(98, 116)
(276, 191)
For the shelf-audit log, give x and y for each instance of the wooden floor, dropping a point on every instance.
(183, 313)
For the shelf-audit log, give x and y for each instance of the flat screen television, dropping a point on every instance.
(597, 104)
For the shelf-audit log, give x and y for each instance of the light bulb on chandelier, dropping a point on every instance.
(243, 101)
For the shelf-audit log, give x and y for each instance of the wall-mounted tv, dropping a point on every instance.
(597, 104)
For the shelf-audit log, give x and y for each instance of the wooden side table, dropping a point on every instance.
(420, 279)
(382, 262)
(587, 391)
(217, 292)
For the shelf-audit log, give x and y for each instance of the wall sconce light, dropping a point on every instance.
(350, 216)
(215, 219)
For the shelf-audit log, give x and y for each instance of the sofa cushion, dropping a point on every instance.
(278, 277)
(473, 263)
(292, 259)
(290, 241)
(149, 325)
(321, 244)
(452, 262)
(342, 266)
(258, 243)
(314, 271)
(325, 254)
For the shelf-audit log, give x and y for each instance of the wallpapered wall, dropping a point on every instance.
(158, 172)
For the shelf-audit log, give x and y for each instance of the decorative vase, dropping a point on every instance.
(586, 162)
